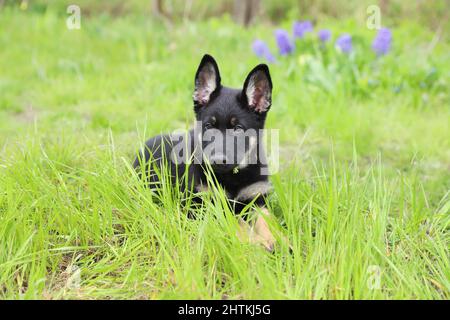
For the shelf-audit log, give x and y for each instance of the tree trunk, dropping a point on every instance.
(244, 11)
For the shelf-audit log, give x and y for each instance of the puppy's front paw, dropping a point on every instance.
(258, 236)
(269, 245)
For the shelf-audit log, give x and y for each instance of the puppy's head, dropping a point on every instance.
(229, 120)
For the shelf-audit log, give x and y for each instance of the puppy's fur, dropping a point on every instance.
(229, 113)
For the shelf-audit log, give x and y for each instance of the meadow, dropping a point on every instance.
(362, 192)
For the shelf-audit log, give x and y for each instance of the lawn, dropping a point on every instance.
(362, 191)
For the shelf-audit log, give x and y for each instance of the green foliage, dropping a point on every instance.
(364, 177)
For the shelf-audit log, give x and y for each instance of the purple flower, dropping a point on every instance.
(382, 42)
(324, 35)
(284, 43)
(344, 43)
(261, 49)
(302, 27)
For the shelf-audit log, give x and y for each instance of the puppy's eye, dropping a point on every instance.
(208, 126)
(238, 129)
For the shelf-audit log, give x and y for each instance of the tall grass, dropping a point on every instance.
(354, 234)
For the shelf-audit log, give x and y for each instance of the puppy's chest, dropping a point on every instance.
(242, 188)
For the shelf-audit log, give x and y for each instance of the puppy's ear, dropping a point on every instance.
(207, 80)
(258, 89)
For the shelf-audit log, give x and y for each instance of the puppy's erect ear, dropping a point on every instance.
(258, 89)
(207, 80)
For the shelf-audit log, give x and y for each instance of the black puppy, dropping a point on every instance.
(226, 138)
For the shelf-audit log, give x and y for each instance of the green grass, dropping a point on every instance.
(363, 185)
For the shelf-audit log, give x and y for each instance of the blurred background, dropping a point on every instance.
(430, 13)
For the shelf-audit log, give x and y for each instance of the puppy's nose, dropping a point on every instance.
(219, 158)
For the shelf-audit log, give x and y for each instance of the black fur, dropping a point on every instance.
(219, 108)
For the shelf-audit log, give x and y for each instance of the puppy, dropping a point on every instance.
(227, 140)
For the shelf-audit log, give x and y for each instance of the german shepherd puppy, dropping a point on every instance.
(226, 137)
